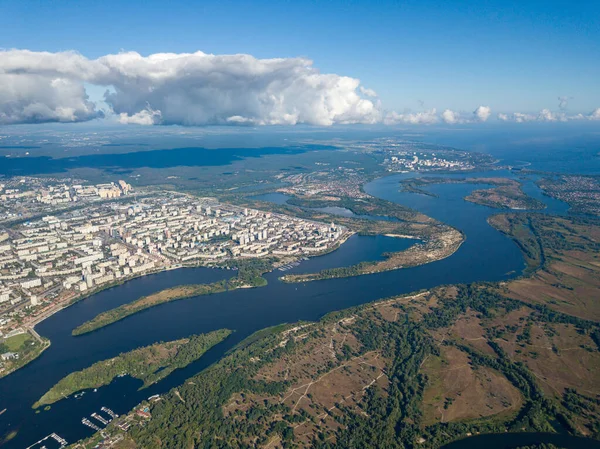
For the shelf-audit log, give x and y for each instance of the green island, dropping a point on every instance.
(24, 348)
(506, 193)
(249, 274)
(149, 364)
(420, 370)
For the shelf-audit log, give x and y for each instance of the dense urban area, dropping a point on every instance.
(48, 262)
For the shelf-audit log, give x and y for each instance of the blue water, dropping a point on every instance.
(513, 440)
(273, 197)
(356, 249)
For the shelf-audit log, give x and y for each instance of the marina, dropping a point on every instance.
(52, 438)
(90, 424)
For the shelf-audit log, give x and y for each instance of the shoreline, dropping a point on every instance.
(311, 277)
(45, 342)
(74, 300)
(228, 287)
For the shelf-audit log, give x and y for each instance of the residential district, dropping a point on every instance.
(47, 262)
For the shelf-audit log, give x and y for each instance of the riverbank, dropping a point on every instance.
(375, 216)
(26, 347)
(439, 247)
(246, 310)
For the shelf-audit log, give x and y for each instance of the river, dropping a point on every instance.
(485, 255)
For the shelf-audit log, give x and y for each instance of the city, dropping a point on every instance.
(47, 263)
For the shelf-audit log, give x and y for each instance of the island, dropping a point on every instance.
(423, 369)
(149, 364)
(249, 274)
(506, 193)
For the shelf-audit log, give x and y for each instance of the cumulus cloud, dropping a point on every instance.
(481, 114)
(188, 89)
(367, 92)
(450, 116)
(146, 117)
(430, 116)
(546, 115)
(201, 89)
(516, 117)
(417, 118)
(39, 99)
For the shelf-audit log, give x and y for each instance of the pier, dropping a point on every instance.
(87, 422)
(54, 436)
(112, 414)
(100, 418)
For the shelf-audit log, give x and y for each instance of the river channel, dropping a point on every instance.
(485, 255)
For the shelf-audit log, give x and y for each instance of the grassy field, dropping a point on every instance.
(564, 261)
(457, 391)
(18, 342)
(25, 346)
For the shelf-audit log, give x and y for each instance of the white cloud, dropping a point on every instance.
(482, 113)
(200, 89)
(38, 99)
(187, 89)
(367, 92)
(517, 117)
(417, 118)
(451, 117)
(146, 117)
(546, 115)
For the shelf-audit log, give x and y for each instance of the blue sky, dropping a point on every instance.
(510, 55)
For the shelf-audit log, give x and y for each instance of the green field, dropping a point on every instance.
(16, 343)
